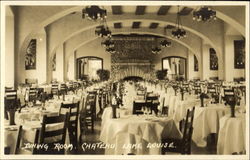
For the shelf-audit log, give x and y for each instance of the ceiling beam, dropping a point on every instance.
(136, 25)
(186, 11)
(116, 10)
(153, 25)
(163, 10)
(118, 25)
(140, 10)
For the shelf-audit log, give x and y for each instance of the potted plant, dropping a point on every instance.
(103, 74)
(161, 74)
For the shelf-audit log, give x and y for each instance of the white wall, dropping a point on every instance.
(94, 48)
(58, 74)
(9, 49)
(70, 68)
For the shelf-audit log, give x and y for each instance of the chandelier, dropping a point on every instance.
(108, 43)
(179, 32)
(103, 31)
(165, 43)
(110, 50)
(156, 50)
(204, 14)
(94, 13)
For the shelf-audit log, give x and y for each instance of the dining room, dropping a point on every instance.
(94, 80)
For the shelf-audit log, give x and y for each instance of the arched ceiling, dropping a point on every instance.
(134, 18)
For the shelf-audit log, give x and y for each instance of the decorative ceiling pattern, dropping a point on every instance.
(142, 10)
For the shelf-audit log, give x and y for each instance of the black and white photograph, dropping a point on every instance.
(124, 79)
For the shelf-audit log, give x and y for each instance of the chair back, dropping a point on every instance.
(73, 121)
(197, 88)
(187, 132)
(228, 92)
(63, 88)
(211, 90)
(10, 94)
(75, 85)
(32, 94)
(53, 132)
(137, 107)
(54, 89)
(24, 137)
(10, 101)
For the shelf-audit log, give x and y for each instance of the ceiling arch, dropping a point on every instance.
(155, 34)
(199, 34)
(190, 41)
(65, 12)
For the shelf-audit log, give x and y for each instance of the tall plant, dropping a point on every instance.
(161, 74)
(103, 74)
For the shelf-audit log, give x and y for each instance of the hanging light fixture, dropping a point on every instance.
(111, 50)
(179, 32)
(108, 43)
(156, 50)
(165, 43)
(103, 31)
(94, 13)
(204, 14)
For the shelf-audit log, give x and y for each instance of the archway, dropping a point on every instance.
(87, 67)
(176, 66)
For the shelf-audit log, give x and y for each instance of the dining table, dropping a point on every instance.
(207, 121)
(31, 118)
(137, 134)
(232, 135)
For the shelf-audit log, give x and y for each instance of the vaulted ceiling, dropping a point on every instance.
(65, 25)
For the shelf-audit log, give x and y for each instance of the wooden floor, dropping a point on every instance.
(90, 138)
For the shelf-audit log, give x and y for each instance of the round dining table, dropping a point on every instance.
(232, 134)
(137, 134)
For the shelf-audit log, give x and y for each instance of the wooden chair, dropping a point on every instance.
(55, 89)
(70, 86)
(152, 103)
(73, 109)
(137, 107)
(75, 85)
(53, 132)
(32, 94)
(214, 93)
(24, 137)
(197, 88)
(87, 116)
(63, 89)
(183, 145)
(10, 101)
(228, 92)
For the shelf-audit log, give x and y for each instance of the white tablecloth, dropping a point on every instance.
(206, 121)
(31, 118)
(108, 114)
(139, 130)
(232, 134)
